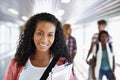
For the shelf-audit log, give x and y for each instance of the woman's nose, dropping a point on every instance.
(43, 39)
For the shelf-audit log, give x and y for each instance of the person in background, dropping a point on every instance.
(104, 58)
(101, 26)
(70, 41)
(40, 41)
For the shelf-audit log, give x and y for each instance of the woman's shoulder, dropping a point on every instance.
(11, 70)
(12, 63)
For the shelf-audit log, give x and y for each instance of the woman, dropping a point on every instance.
(104, 58)
(42, 38)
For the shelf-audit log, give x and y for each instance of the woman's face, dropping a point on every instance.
(104, 38)
(44, 36)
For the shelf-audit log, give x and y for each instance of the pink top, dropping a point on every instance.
(13, 72)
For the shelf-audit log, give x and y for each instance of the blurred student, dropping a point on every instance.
(104, 60)
(70, 41)
(101, 26)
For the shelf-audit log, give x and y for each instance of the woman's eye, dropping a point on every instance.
(40, 33)
(50, 35)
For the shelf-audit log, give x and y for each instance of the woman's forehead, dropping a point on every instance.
(45, 26)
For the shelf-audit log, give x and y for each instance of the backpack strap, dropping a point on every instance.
(49, 68)
(110, 46)
(97, 47)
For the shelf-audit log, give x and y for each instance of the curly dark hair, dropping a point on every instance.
(26, 46)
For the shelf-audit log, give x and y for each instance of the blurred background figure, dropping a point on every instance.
(70, 41)
(104, 59)
(101, 26)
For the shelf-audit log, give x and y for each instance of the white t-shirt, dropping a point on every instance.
(31, 72)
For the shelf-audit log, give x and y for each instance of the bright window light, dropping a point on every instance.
(65, 1)
(115, 18)
(24, 18)
(59, 14)
(13, 11)
(58, 17)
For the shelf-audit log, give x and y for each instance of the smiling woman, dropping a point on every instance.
(44, 36)
(41, 40)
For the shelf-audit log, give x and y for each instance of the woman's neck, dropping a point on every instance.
(40, 59)
(103, 46)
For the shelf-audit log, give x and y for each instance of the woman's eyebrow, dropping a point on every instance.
(40, 30)
(51, 32)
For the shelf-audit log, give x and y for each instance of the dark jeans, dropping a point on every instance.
(107, 73)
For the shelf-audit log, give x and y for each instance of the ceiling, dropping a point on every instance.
(74, 12)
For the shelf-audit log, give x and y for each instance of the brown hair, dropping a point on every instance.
(102, 22)
(66, 26)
